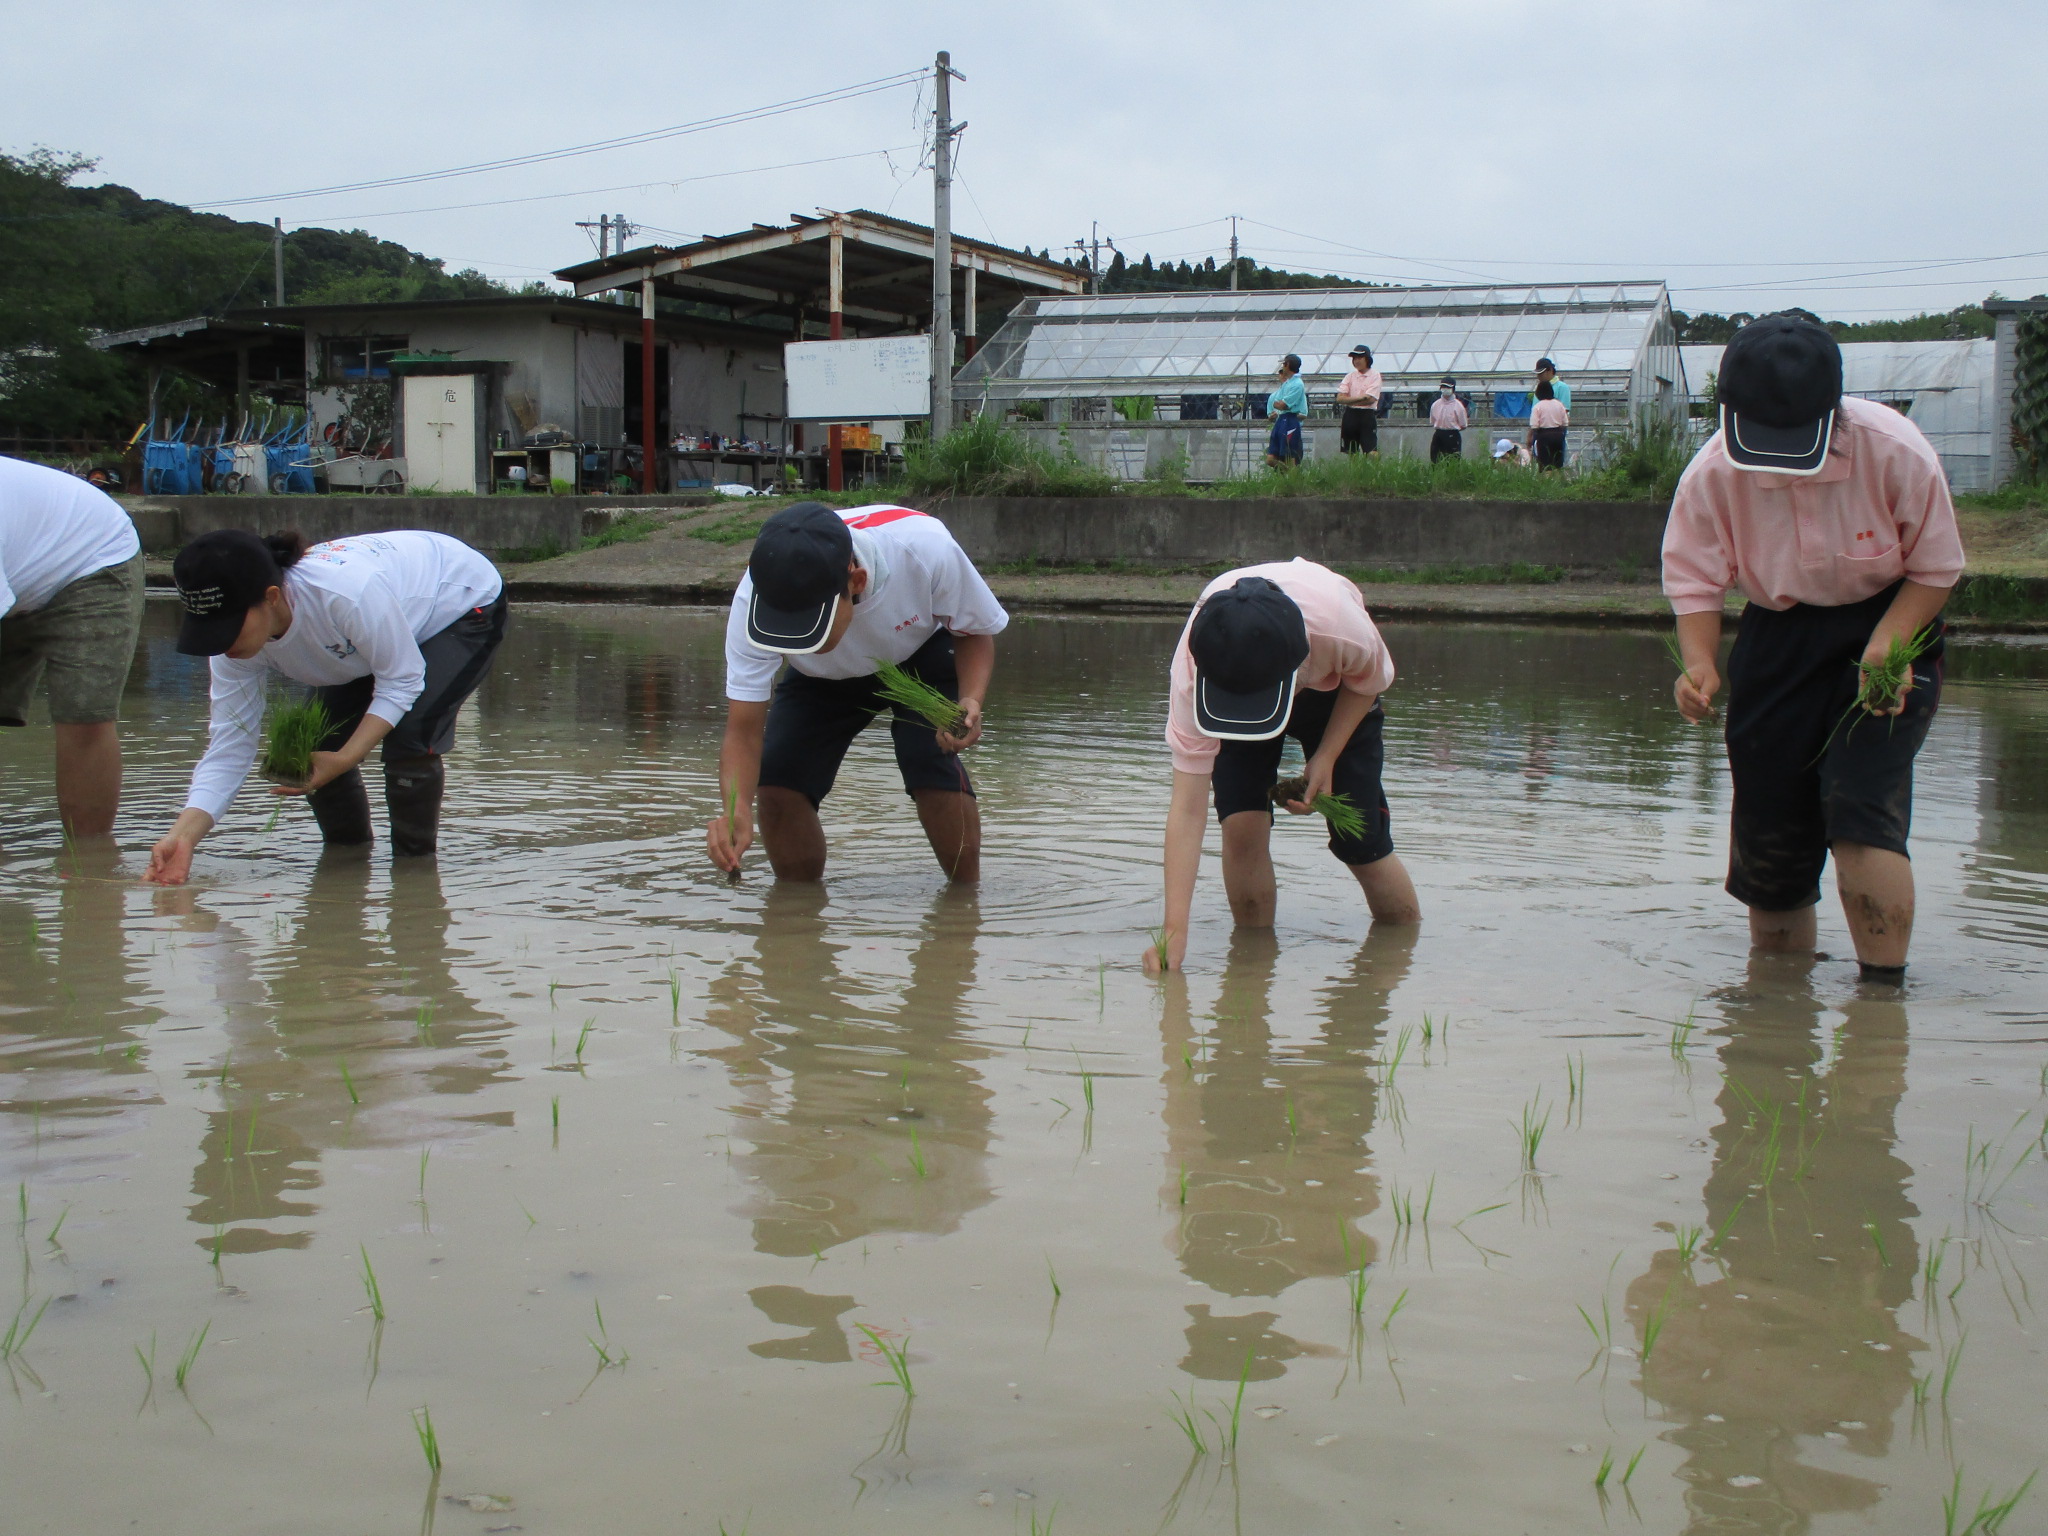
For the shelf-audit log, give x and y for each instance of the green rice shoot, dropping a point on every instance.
(1345, 819)
(1881, 685)
(915, 696)
(295, 734)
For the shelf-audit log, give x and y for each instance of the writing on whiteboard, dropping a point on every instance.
(876, 376)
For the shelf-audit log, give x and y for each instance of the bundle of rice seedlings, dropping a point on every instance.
(1345, 819)
(296, 731)
(917, 697)
(1883, 683)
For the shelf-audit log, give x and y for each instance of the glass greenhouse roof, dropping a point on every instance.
(1136, 343)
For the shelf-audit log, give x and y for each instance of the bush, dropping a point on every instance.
(983, 457)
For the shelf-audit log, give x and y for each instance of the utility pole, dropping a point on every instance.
(277, 257)
(1233, 253)
(603, 226)
(943, 76)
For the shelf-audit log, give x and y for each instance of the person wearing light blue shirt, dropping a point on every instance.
(1546, 373)
(1287, 404)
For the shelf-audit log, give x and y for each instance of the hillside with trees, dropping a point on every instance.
(79, 259)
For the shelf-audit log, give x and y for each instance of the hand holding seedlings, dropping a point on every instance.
(1695, 694)
(1293, 795)
(958, 725)
(731, 832)
(1885, 674)
(296, 731)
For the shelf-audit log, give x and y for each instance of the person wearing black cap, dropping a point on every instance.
(1358, 396)
(835, 595)
(1272, 651)
(1546, 373)
(1287, 403)
(392, 631)
(70, 609)
(1833, 517)
(1447, 415)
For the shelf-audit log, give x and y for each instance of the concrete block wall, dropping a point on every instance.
(488, 523)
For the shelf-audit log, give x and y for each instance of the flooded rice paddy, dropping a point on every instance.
(652, 1196)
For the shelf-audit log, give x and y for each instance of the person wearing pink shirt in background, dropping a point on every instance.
(1448, 417)
(1547, 421)
(1271, 651)
(1832, 517)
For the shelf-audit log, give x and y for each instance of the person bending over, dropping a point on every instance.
(70, 609)
(835, 595)
(1833, 517)
(1272, 651)
(391, 631)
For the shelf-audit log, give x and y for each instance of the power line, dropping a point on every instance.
(624, 141)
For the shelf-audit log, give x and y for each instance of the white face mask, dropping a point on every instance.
(1445, 392)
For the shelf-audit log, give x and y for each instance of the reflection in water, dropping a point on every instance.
(1798, 1337)
(1269, 1140)
(327, 997)
(792, 1307)
(865, 1116)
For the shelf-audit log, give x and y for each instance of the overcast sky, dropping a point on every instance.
(1861, 159)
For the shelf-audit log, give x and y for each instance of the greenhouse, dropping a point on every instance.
(1138, 382)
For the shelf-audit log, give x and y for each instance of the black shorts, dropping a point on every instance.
(813, 720)
(1359, 431)
(1446, 443)
(1809, 769)
(1246, 772)
(458, 658)
(1549, 447)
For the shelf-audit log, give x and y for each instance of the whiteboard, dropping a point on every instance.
(859, 380)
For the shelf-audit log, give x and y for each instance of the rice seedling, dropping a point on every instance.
(1603, 1331)
(1402, 1202)
(553, 987)
(1345, 819)
(1655, 1319)
(1606, 1469)
(917, 1163)
(57, 1226)
(1991, 1512)
(423, 1023)
(1687, 1241)
(425, 1153)
(350, 1084)
(1183, 1416)
(583, 1038)
(1393, 1062)
(1052, 1278)
(915, 697)
(1931, 1267)
(1243, 1377)
(430, 1443)
(21, 1205)
(1535, 1123)
(219, 1232)
(895, 1356)
(1721, 1232)
(555, 1117)
(148, 1364)
(1682, 1032)
(675, 997)
(1952, 1362)
(1630, 1470)
(191, 1356)
(1087, 1083)
(18, 1333)
(1981, 1162)
(294, 735)
(1575, 1089)
(1877, 1242)
(371, 1288)
(607, 1356)
(1159, 947)
(1400, 1301)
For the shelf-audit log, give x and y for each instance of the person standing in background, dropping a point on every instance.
(1358, 396)
(1287, 404)
(1546, 373)
(1547, 421)
(70, 609)
(1447, 415)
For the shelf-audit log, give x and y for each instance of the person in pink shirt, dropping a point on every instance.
(1833, 518)
(1547, 421)
(1272, 651)
(1358, 396)
(1447, 415)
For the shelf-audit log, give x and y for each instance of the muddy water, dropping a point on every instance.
(776, 1136)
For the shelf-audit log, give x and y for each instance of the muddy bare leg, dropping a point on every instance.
(88, 777)
(1248, 869)
(791, 832)
(1877, 899)
(1389, 893)
(952, 823)
(1781, 933)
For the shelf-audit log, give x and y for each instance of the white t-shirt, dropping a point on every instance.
(360, 608)
(54, 530)
(919, 582)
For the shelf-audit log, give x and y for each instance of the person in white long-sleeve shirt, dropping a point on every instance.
(392, 631)
(70, 609)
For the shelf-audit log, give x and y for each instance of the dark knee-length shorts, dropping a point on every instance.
(1246, 772)
(813, 720)
(1810, 769)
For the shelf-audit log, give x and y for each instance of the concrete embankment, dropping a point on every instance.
(491, 523)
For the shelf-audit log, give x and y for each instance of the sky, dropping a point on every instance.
(1861, 160)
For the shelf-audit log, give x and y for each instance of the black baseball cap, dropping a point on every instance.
(1543, 363)
(799, 568)
(221, 576)
(1247, 643)
(1780, 381)
(1362, 350)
